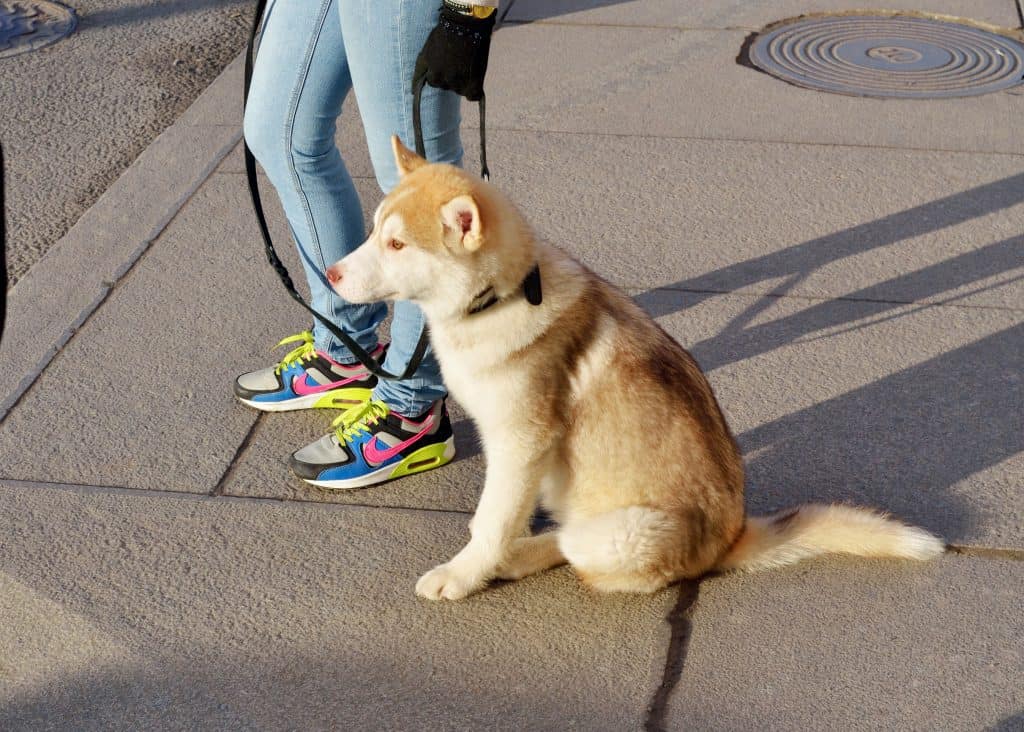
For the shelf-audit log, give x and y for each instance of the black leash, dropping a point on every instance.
(418, 128)
(371, 364)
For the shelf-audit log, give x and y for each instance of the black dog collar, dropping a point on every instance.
(530, 287)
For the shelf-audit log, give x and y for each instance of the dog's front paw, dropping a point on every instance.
(449, 582)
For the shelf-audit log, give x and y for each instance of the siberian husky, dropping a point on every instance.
(582, 403)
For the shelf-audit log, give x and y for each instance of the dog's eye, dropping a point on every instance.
(395, 244)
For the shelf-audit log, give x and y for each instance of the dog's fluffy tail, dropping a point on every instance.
(809, 531)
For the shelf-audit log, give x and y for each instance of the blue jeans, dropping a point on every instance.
(311, 54)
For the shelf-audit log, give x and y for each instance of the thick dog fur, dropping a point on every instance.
(583, 403)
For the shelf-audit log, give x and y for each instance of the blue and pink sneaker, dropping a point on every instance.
(306, 379)
(372, 444)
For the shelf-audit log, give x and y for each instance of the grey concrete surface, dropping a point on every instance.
(801, 220)
(848, 274)
(317, 628)
(735, 13)
(104, 244)
(657, 82)
(69, 673)
(844, 645)
(185, 314)
(76, 114)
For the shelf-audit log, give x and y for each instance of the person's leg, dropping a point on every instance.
(300, 79)
(382, 40)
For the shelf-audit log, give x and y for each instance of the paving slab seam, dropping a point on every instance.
(122, 272)
(218, 489)
(21, 483)
(639, 26)
(29, 379)
(637, 290)
(386, 507)
(969, 550)
(1020, 12)
(681, 611)
(985, 552)
(752, 141)
(185, 495)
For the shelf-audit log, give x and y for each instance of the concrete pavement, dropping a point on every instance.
(848, 271)
(75, 115)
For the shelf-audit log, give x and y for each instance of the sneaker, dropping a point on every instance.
(305, 379)
(371, 444)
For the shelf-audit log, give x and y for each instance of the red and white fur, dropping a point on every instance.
(583, 403)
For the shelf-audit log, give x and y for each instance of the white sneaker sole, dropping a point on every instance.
(381, 475)
(310, 401)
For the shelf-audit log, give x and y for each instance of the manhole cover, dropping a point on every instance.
(26, 25)
(889, 56)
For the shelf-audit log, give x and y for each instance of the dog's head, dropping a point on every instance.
(439, 238)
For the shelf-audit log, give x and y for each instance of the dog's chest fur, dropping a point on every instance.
(480, 372)
(494, 361)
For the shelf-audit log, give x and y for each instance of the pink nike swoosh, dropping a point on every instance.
(302, 386)
(373, 455)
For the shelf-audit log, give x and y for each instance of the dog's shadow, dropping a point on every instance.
(467, 442)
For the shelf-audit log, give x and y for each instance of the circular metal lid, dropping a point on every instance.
(26, 25)
(889, 56)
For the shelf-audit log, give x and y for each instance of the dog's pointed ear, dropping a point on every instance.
(405, 159)
(461, 219)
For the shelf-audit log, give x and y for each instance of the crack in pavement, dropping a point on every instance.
(680, 621)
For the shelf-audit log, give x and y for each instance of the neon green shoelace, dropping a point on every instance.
(357, 421)
(303, 353)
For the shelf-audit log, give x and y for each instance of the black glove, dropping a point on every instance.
(455, 54)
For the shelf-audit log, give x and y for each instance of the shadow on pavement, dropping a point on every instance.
(1013, 723)
(303, 691)
(737, 343)
(246, 674)
(795, 263)
(901, 442)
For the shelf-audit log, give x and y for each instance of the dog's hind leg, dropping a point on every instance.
(631, 549)
(531, 554)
